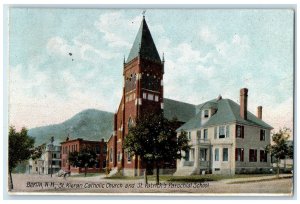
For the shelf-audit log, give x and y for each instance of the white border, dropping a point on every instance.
(136, 4)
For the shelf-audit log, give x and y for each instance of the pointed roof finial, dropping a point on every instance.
(163, 57)
(144, 11)
(124, 60)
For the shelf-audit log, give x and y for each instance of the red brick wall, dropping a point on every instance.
(77, 145)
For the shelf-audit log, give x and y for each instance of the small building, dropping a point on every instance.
(49, 161)
(226, 138)
(78, 144)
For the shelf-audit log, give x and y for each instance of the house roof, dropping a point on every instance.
(177, 109)
(227, 111)
(143, 45)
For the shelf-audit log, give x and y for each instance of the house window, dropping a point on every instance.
(205, 134)
(252, 155)
(156, 98)
(128, 157)
(263, 156)
(240, 131)
(189, 136)
(225, 154)
(36, 169)
(150, 97)
(205, 113)
(239, 154)
(217, 154)
(144, 95)
(262, 135)
(222, 132)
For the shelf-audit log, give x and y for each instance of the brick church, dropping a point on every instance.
(142, 93)
(221, 132)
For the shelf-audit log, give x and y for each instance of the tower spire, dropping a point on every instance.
(143, 45)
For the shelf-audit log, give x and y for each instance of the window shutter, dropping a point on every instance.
(242, 131)
(216, 129)
(236, 154)
(242, 154)
(250, 156)
(227, 131)
(255, 155)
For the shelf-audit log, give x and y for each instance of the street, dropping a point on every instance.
(98, 184)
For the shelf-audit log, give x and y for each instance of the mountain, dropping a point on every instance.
(90, 124)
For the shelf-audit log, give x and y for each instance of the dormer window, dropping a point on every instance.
(205, 113)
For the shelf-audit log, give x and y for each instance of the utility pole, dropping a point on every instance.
(51, 151)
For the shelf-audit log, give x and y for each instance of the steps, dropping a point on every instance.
(185, 171)
(113, 172)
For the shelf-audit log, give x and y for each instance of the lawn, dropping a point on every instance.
(87, 175)
(193, 178)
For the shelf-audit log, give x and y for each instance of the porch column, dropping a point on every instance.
(196, 157)
(181, 160)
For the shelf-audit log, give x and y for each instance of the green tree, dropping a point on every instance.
(38, 151)
(279, 148)
(85, 158)
(154, 140)
(21, 147)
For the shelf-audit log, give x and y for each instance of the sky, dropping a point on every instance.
(207, 53)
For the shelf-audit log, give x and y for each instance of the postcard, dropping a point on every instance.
(151, 101)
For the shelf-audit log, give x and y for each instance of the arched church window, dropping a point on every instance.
(130, 122)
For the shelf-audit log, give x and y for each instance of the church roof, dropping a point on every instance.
(177, 109)
(144, 45)
(227, 112)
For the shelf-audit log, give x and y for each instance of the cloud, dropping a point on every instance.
(207, 35)
(48, 107)
(214, 63)
(59, 46)
(233, 51)
(112, 32)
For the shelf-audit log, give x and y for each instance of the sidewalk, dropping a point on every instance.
(255, 179)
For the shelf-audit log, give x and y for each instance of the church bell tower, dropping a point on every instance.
(142, 90)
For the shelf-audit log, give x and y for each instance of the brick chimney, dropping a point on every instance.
(243, 103)
(259, 112)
